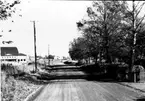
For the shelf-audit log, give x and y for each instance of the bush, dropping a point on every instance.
(79, 64)
(140, 62)
(111, 70)
(9, 69)
(8, 87)
(12, 70)
(91, 68)
(116, 71)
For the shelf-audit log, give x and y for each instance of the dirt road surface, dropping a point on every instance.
(84, 90)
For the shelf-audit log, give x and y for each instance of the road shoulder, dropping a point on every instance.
(136, 86)
(34, 94)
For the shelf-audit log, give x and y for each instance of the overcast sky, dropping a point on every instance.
(55, 26)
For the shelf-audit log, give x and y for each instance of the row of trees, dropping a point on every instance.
(112, 30)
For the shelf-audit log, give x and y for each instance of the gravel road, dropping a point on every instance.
(84, 90)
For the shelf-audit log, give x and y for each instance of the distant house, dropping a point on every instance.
(12, 55)
(22, 58)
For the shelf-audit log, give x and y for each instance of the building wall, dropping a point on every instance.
(11, 55)
(22, 59)
(14, 59)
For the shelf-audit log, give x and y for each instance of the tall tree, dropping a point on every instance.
(105, 20)
(78, 49)
(134, 26)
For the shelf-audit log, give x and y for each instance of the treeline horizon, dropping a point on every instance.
(111, 30)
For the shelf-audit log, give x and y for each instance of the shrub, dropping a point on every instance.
(12, 70)
(8, 87)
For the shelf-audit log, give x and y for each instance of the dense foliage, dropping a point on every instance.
(7, 8)
(111, 31)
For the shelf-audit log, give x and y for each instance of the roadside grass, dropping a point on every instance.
(13, 89)
(17, 82)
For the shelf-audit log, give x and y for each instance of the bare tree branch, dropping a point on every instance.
(139, 10)
(140, 22)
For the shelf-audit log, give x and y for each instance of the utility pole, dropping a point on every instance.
(48, 56)
(35, 45)
(0, 66)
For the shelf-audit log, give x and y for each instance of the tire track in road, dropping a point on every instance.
(59, 91)
(108, 96)
(56, 93)
(73, 90)
(89, 93)
(67, 92)
(93, 91)
(43, 94)
(120, 92)
(52, 92)
(67, 89)
(80, 93)
(74, 93)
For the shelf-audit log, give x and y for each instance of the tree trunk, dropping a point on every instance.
(96, 60)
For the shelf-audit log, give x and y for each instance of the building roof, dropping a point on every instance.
(9, 51)
(21, 54)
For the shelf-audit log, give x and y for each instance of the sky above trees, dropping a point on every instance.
(55, 25)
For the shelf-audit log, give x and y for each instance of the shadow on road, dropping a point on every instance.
(140, 99)
(69, 72)
(90, 73)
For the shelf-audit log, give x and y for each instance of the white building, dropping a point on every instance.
(11, 55)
